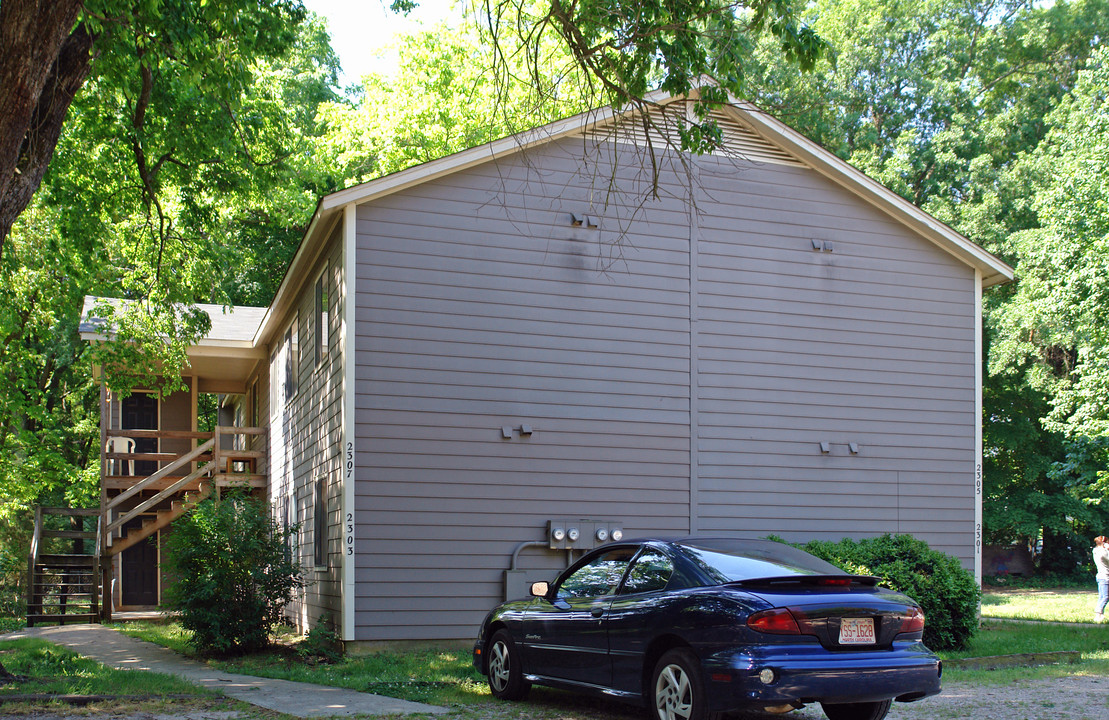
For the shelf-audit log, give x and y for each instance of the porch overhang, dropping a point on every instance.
(222, 361)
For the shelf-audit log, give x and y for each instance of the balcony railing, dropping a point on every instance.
(178, 472)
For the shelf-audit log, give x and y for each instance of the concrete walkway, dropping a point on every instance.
(117, 650)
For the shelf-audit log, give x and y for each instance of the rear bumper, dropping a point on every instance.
(807, 675)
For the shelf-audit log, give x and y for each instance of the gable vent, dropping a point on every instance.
(740, 141)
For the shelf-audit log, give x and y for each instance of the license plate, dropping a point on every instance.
(856, 631)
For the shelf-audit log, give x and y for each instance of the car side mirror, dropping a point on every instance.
(540, 589)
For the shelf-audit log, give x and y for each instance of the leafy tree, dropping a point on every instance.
(236, 168)
(442, 99)
(232, 574)
(619, 51)
(49, 49)
(1054, 328)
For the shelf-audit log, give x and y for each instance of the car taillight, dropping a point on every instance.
(913, 621)
(833, 582)
(777, 620)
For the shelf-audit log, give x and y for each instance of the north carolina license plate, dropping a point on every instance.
(856, 631)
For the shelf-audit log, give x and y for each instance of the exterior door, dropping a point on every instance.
(140, 412)
(139, 570)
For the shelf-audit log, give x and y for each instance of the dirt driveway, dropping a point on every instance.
(1071, 698)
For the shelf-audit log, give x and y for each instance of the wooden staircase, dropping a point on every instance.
(161, 519)
(69, 567)
(64, 586)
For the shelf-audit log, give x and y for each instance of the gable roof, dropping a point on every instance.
(748, 131)
(231, 326)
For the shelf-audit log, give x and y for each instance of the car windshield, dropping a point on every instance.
(733, 560)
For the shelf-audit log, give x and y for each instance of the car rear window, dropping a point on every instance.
(734, 560)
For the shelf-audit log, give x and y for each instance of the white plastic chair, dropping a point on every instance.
(122, 445)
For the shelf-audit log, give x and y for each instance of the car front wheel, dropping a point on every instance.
(857, 711)
(506, 677)
(676, 686)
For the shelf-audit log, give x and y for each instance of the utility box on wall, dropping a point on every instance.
(582, 534)
(516, 584)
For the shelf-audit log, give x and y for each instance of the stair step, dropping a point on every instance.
(59, 561)
(88, 580)
(57, 617)
(85, 512)
(73, 534)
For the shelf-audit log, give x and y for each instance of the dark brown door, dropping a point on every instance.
(140, 412)
(139, 570)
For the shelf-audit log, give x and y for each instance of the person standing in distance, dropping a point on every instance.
(1101, 562)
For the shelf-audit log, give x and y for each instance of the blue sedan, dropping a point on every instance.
(701, 626)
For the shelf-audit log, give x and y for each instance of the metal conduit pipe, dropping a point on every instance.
(521, 546)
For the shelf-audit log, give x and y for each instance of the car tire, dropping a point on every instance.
(857, 711)
(677, 692)
(503, 668)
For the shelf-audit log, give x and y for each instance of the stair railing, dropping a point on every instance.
(97, 570)
(32, 561)
(163, 472)
(164, 494)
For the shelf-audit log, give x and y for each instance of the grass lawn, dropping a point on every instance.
(432, 675)
(1011, 638)
(446, 677)
(1060, 605)
(45, 668)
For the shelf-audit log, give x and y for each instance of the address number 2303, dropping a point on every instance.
(349, 534)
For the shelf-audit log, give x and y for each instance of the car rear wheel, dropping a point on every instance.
(506, 676)
(676, 686)
(857, 711)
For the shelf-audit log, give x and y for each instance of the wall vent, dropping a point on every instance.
(740, 141)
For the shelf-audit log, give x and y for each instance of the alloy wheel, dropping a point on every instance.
(673, 694)
(499, 666)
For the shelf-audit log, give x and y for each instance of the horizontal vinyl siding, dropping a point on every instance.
(872, 343)
(480, 306)
(307, 445)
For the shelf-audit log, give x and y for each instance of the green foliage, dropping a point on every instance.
(628, 47)
(186, 157)
(184, 174)
(1052, 333)
(231, 574)
(14, 546)
(444, 97)
(321, 644)
(945, 591)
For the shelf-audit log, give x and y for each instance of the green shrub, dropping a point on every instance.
(231, 574)
(321, 645)
(945, 591)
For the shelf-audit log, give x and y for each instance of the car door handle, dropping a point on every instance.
(597, 612)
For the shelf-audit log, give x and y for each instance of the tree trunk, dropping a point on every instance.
(43, 63)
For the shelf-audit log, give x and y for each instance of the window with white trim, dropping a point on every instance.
(319, 522)
(320, 318)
